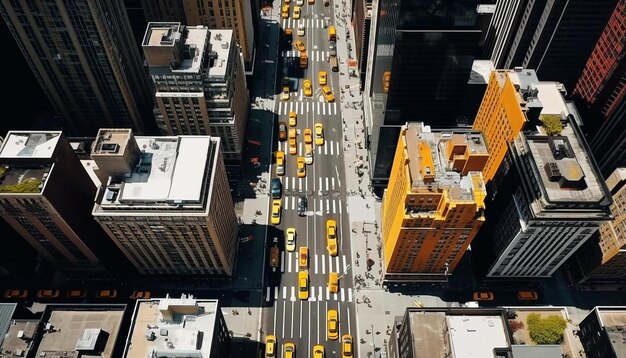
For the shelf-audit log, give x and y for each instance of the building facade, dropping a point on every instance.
(200, 84)
(83, 55)
(502, 114)
(554, 37)
(362, 20)
(420, 59)
(141, 12)
(38, 173)
(166, 204)
(603, 261)
(552, 198)
(434, 204)
(602, 332)
(220, 14)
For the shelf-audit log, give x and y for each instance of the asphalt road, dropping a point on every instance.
(304, 322)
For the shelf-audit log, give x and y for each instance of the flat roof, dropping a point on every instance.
(68, 325)
(613, 319)
(18, 330)
(6, 314)
(220, 43)
(192, 38)
(176, 326)
(30, 144)
(465, 331)
(172, 170)
(481, 70)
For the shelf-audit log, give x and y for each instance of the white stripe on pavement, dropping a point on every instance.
(343, 295)
(337, 262)
(334, 206)
(323, 267)
(316, 264)
(284, 293)
(267, 295)
(345, 264)
(293, 293)
(326, 183)
(349, 295)
(289, 263)
(282, 261)
(327, 294)
(319, 294)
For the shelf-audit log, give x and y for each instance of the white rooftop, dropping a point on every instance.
(30, 144)
(220, 42)
(172, 328)
(467, 331)
(196, 37)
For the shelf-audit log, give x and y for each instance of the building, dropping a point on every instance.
(474, 91)
(38, 173)
(554, 37)
(200, 84)
(84, 57)
(141, 12)
(552, 198)
(602, 332)
(434, 204)
(362, 20)
(602, 260)
(166, 203)
(600, 93)
(222, 15)
(183, 327)
(67, 331)
(502, 113)
(419, 61)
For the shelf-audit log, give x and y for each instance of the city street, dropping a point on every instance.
(290, 319)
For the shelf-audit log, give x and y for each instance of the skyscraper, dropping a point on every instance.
(362, 18)
(420, 60)
(601, 93)
(200, 83)
(554, 37)
(166, 203)
(84, 56)
(221, 14)
(434, 204)
(552, 198)
(46, 196)
(604, 260)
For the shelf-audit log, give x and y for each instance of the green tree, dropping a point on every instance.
(27, 186)
(548, 330)
(552, 123)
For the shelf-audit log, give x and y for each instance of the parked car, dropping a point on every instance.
(277, 188)
(527, 296)
(282, 131)
(483, 296)
(110, 293)
(302, 205)
(15, 293)
(48, 293)
(76, 294)
(140, 295)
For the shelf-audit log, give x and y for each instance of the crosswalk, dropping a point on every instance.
(319, 108)
(316, 293)
(322, 206)
(317, 56)
(299, 184)
(331, 147)
(308, 23)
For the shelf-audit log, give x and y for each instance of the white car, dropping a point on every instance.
(301, 30)
(290, 242)
(299, 2)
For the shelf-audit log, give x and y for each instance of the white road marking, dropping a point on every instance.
(316, 264)
(337, 144)
(327, 294)
(292, 305)
(337, 262)
(300, 186)
(267, 295)
(319, 294)
(349, 330)
(322, 205)
(326, 183)
(312, 295)
(290, 107)
(349, 294)
(330, 264)
(343, 295)
(299, 148)
(332, 183)
(293, 182)
(327, 205)
(334, 206)
(345, 264)
(307, 107)
(335, 296)
(331, 150)
(293, 293)
(284, 292)
(324, 110)
(282, 261)
(296, 265)
(289, 263)
(320, 186)
(323, 267)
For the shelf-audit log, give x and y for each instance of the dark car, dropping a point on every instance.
(277, 188)
(302, 205)
(282, 131)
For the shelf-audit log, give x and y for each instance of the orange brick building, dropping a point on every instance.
(434, 203)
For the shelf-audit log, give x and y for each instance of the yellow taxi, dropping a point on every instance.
(289, 350)
(346, 346)
(285, 12)
(293, 149)
(319, 134)
(293, 119)
(311, 2)
(301, 167)
(328, 94)
(333, 282)
(308, 154)
(290, 241)
(331, 237)
(308, 88)
(270, 346)
(303, 285)
(292, 133)
(287, 2)
(275, 212)
(299, 45)
(322, 78)
(308, 136)
(333, 325)
(318, 351)
(280, 163)
(296, 12)
(304, 257)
